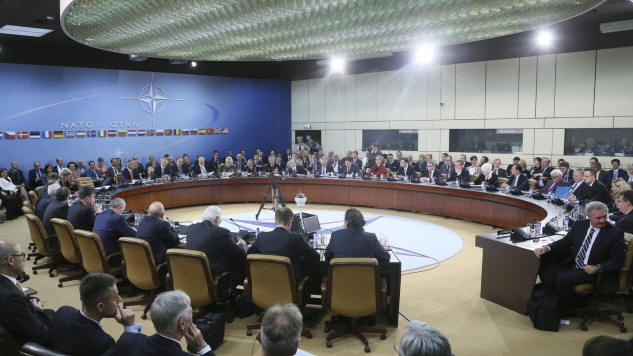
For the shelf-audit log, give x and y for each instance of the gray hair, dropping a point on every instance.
(421, 338)
(156, 209)
(65, 172)
(556, 173)
(281, 329)
(52, 189)
(211, 213)
(595, 205)
(117, 203)
(7, 248)
(167, 309)
(486, 168)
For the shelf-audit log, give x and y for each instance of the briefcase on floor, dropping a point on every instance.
(211, 326)
(543, 309)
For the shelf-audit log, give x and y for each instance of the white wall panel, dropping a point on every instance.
(299, 100)
(367, 97)
(316, 100)
(558, 142)
(335, 100)
(390, 95)
(575, 73)
(470, 90)
(434, 140)
(545, 85)
(527, 87)
(447, 111)
(502, 89)
(543, 141)
(434, 90)
(414, 94)
(350, 97)
(614, 82)
(444, 135)
(528, 141)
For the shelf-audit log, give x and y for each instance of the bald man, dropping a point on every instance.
(23, 317)
(154, 229)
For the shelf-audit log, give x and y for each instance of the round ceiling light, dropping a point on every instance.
(239, 30)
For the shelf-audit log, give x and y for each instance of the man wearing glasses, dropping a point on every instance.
(625, 206)
(23, 317)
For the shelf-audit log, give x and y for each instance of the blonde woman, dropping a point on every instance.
(618, 186)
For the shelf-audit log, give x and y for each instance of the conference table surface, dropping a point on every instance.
(508, 271)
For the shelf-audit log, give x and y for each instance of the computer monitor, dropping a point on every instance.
(311, 224)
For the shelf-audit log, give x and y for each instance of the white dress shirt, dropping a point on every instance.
(201, 352)
(6, 184)
(136, 328)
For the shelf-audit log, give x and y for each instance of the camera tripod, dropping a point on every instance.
(273, 193)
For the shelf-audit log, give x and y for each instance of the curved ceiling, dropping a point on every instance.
(248, 30)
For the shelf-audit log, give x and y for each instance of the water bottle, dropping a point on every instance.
(315, 242)
(256, 233)
(537, 228)
(566, 222)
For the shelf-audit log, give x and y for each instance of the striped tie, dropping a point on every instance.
(580, 258)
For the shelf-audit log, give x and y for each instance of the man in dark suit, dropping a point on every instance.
(578, 189)
(157, 232)
(58, 208)
(202, 167)
(334, 166)
(173, 319)
(81, 213)
(23, 317)
(431, 173)
(349, 169)
(618, 172)
(59, 165)
(603, 177)
(215, 161)
(460, 173)
(595, 190)
(555, 181)
(353, 241)
(624, 202)
(293, 169)
(224, 255)
(515, 160)
(517, 180)
(110, 225)
(16, 175)
(357, 161)
(79, 332)
(282, 242)
(164, 169)
(94, 173)
(496, 169)
(568, 174)
(448, 167)
(590, 246)
(405, 170)
(130, 172)
(46, 198)
(36, 176)
(114, 168)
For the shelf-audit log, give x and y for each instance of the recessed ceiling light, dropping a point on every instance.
(544, 38)
(50, 18)
(24, 31)
(137, 58)
(194, 64)
(337, 65)
(424, 54)
(177, 61)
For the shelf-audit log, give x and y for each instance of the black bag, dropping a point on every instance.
(212, 327)
(543, 309)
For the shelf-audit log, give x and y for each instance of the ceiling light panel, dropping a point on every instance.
(299, 29)
(24, 31)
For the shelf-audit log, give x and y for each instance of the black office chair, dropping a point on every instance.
(35, 349)
(8, 346)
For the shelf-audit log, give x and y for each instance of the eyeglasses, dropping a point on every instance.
(23, 255)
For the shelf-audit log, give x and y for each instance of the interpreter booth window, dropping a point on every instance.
(599, 142)
(392, 140)
(486, 140)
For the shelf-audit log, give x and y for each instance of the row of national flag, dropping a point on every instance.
(21, 135)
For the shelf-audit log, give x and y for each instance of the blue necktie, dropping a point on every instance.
(580, 258)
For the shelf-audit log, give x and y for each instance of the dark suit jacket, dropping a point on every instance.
(330, 167)
(160, 171)
(358, 163)
(621, 174)
(551, 182)
(184, 169)
(607, 250)
(353, 242)
(353, 169)
(110, 226)
(42, 204)
(410, 171)
(137, 344)
(280, 242)
(126, 176)
(159, 234)
(447, 169)
(224, 255)
(110, 172)
(569, 176)
(597, 192)
(95, 174)
(81, 216)
(74, 334)
(56, 209)
(33, 181)
(581, 190)
(522, 183)
(463, 176)
(500, 172)
(492, 182)
(17, 176)
(436, 174)
(20, 317)
(626, 223)
(207, 166)
(605, 178)
(296, 170)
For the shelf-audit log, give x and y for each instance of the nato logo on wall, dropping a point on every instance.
(81, 113)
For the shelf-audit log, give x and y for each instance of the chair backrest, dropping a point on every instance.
(85, 182)
(626, 277)
(190, 272)
(473, 177)
(139, 266)
(353, 288)
(27, 210)
(502, 180)
(38, 234)
(532, 183)
(272, 280)
(93, 256)
(34, 349)
(67, 244)
(38, 190)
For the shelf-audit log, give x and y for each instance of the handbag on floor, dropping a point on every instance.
(211, 326)
(543, 308)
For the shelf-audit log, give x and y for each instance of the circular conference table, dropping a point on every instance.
(496, 209)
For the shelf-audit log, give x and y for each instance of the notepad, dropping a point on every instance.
(562, 192)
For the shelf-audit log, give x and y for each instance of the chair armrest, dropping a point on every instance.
(169, 282)
(383, 293)
(108, 257)
(158, 267)
(323, 291)
(217, 279)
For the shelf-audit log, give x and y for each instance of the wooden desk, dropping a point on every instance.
(494, 209)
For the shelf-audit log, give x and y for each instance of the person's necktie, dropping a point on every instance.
(114, 170)
(573, 187)
(615, 174)
(551, 189)
(580, 258)
(39, 175)
(131, 174)
(239, 165)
